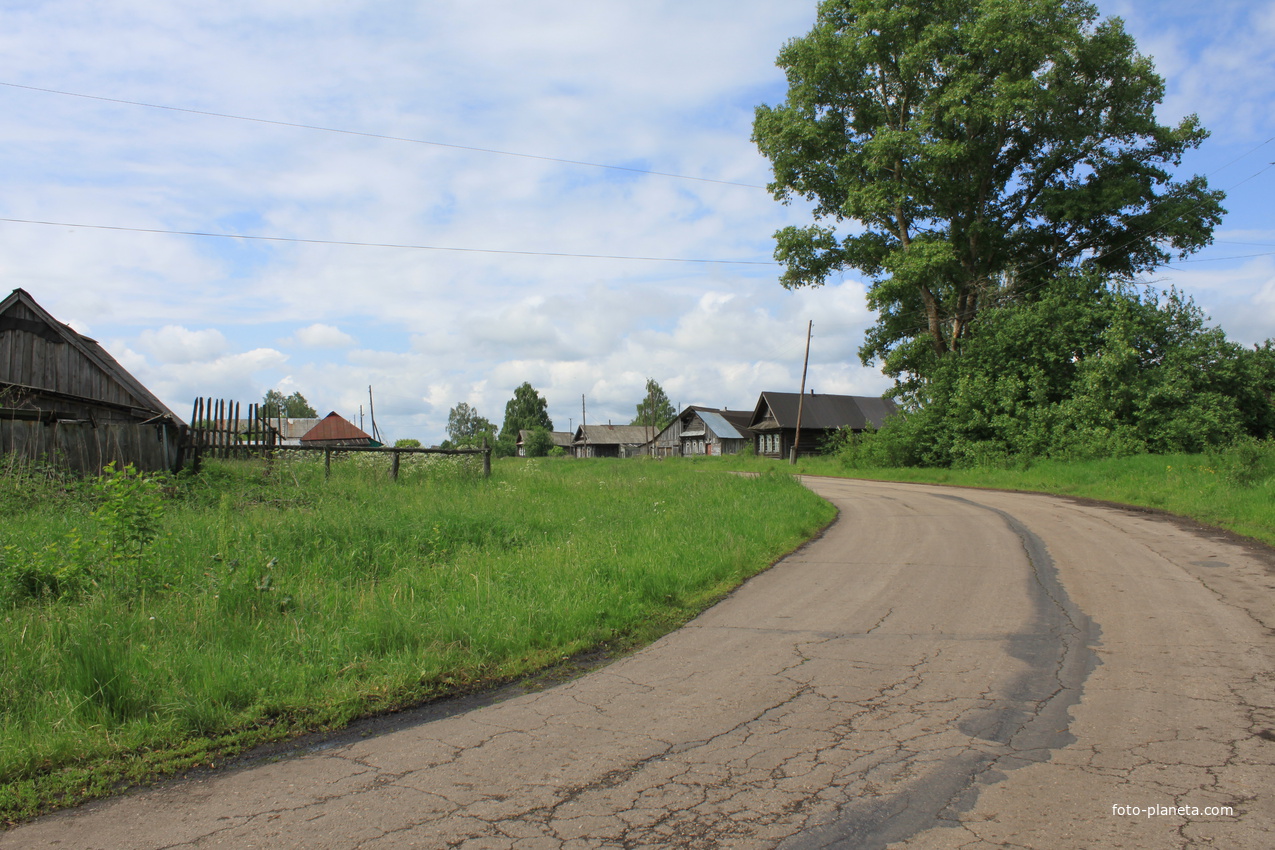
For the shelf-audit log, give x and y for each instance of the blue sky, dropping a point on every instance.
(660, 86)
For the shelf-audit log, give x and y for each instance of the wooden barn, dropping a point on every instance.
(610, 440)
(64, 400)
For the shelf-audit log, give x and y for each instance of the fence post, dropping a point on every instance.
(394, 465)
(486, 459)
(327, 464)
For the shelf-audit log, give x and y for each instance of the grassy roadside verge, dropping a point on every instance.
(1230, 490)
(268, 605)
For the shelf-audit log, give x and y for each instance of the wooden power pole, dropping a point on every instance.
(801, 398)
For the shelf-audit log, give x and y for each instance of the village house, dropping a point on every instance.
(774, 420)
(701, 430)
(64, 399)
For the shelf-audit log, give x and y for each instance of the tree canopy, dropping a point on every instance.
(466, 428)
(655, 410)
(525, 411)
(963, 153)
(276, 405)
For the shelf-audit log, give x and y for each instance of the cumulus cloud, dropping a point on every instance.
(320, 335)
(176, 344)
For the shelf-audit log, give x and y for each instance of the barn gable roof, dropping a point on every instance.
(19, 313)
(612, 434)
(820, 412)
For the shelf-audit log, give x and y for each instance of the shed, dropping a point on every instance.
(610, 440)
(774, 419)
(65, 399)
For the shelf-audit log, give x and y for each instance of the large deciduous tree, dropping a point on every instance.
(466, 428)
(525, 411)
(963, 153)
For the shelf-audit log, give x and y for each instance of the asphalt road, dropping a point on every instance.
(943, 668)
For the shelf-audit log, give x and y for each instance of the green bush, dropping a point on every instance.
(538, 442)
(1246, 462)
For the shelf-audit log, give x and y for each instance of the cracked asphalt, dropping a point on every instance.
(943, 668)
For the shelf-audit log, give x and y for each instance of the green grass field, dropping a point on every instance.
(266, 605)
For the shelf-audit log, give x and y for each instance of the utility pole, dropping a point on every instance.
(801, 398)
(584, 421)
(371, 412)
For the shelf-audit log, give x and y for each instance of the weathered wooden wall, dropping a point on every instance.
(85, 447)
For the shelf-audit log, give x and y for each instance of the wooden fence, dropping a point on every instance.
(216, 430)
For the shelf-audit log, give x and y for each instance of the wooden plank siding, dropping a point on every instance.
(84, 448)
(49, 363)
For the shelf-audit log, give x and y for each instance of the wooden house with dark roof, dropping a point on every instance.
(64, 399)
(774, 419)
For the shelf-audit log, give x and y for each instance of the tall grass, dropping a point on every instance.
(270, 602)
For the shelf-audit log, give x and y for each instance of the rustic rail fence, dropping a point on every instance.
(217, 431)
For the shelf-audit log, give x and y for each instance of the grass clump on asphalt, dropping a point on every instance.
(150, 625)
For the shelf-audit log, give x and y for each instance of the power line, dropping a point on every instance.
(296, 240)
(379, 136)
(1219, 259)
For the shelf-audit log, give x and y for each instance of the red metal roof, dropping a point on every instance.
(334, 427)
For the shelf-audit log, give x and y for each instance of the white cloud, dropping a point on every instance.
(176, 344)
(320, 335)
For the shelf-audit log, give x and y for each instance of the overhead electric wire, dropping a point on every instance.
(382, 136)
(1219, 259)
(405, 246)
